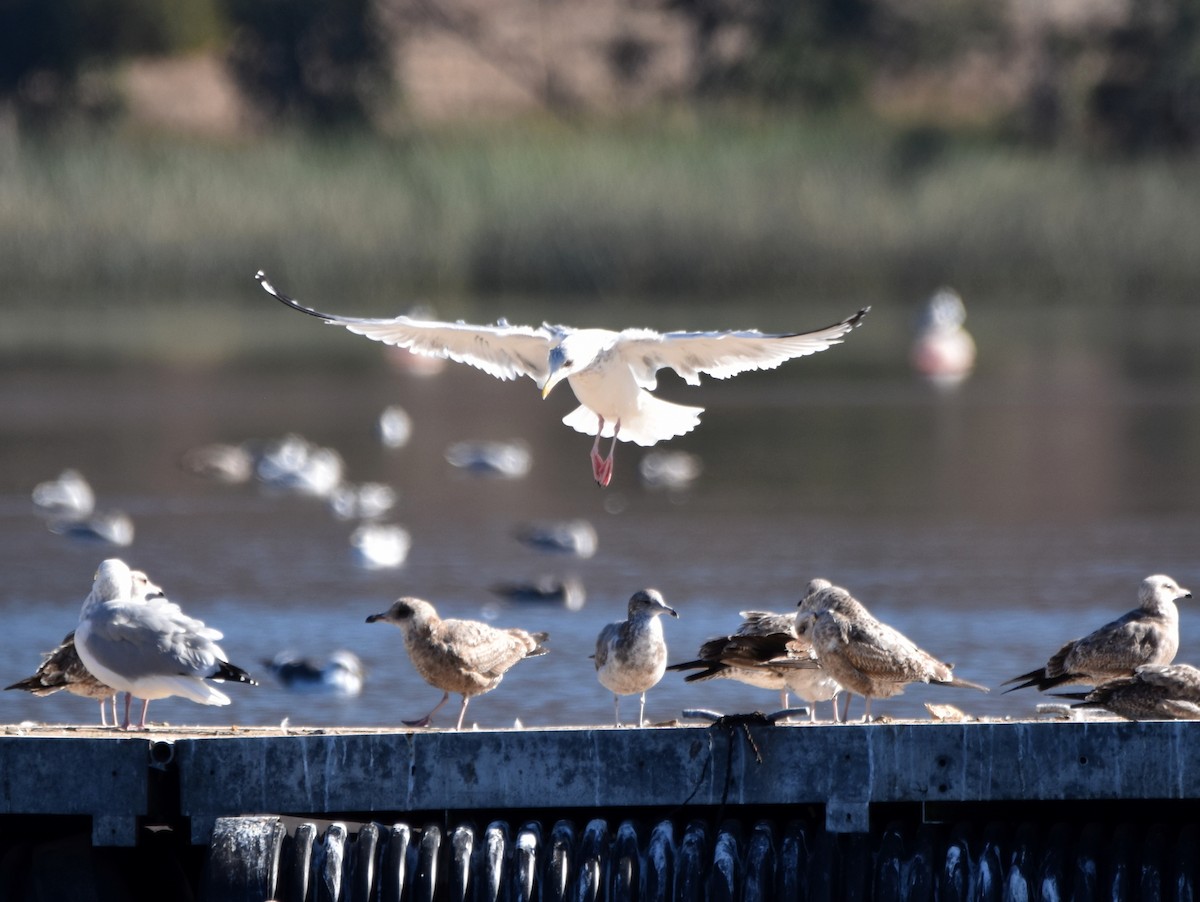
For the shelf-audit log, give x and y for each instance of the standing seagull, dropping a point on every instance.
(148, 647)
(1149, 634)
(611, 373)
(631, 654)
(867, 657)
(62, 669)
(1154, 692)
(766, 652)
(463, 656)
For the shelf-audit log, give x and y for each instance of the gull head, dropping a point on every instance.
(406, 613)
(1157, 589)
(113, 580)
(574, 352)
(561, 366)
(649, 602)
(805, 621)
(142, 587)
(825, 597)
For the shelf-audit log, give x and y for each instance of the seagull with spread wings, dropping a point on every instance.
(611, 373)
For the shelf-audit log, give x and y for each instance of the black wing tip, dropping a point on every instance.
(231, 673)
(1039, 680)
(846, 325)
(261, 278)
(854, 321)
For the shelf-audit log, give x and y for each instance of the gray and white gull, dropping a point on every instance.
(147, 647)
(631, 654)
(62, 669)
(1149, 634)
(611, 373)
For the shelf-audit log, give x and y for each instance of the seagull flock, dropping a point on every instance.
(130, 638)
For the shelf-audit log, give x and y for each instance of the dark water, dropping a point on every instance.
(990, 523)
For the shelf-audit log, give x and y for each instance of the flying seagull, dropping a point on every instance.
(611, 373)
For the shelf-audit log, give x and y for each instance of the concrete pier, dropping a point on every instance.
(192, 778)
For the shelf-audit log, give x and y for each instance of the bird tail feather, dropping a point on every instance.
(655, 421)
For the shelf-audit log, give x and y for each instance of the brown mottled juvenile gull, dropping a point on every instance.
(865, 656)
(631, 654)
(1149, 634)
(463, 656)
(148, 648)
(765, 652)
(1154, 692)
(61, 669)
(611, 373)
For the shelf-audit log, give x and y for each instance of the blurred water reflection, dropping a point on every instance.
(990, 523)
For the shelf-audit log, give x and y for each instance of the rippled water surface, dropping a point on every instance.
(990, 523)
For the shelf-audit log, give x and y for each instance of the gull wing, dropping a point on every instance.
(721, 354)
(482, 649)
(882, 652)
(140, 640)
(503, 351)
(1121, 645)
(1182, 680)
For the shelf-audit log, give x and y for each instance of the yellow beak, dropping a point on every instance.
(552, 380)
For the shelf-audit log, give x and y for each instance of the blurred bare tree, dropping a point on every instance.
(1122, 75)
(317, 62)
(48, 47)
(1148, 95)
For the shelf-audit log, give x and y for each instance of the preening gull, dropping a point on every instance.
(1153, 692)
(148, 647)
(867, 657)
(611, 373)
(463, 656)
(61, 669)
(631, 654)
(1149, 634)
(765, 652)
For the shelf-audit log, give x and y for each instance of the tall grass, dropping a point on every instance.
(687, 209)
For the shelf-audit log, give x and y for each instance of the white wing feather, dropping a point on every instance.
(503, 351)
(721, 354)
